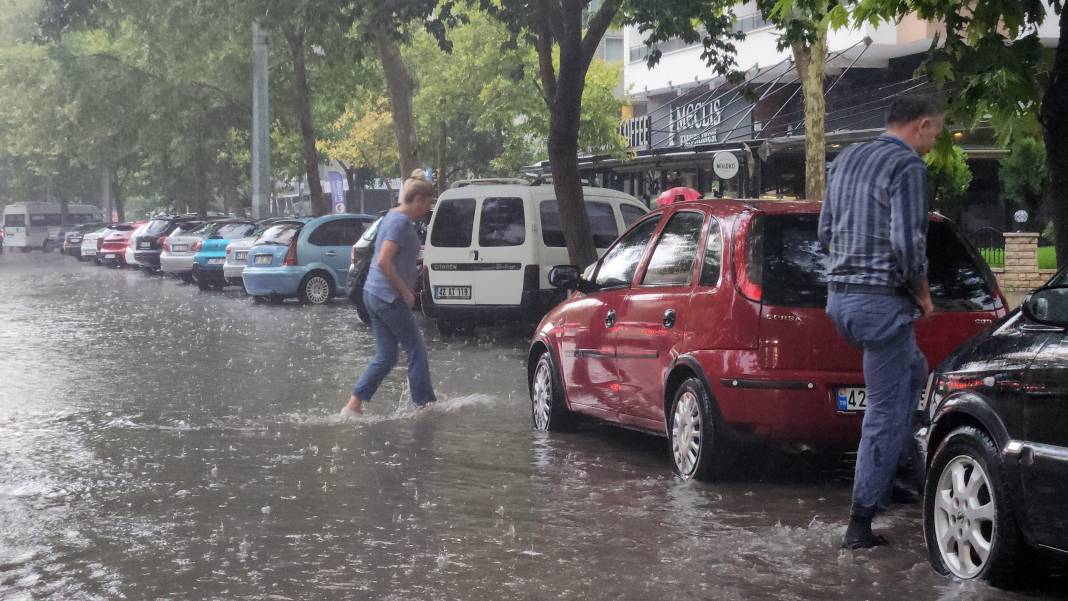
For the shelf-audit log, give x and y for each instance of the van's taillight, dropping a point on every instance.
(749, 259)
(291, 254)
(531, 277)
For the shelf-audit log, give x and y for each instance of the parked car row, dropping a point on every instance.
(704, 323)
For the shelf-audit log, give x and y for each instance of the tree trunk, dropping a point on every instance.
(811, 62)
(401, 89)
(562, 91)
(440, 180)
(1055, 132)
(307, 130)
(120, 199)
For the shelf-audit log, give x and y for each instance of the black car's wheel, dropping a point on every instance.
(316, 288)
(968, 518)
(699, 447)
(548, 409)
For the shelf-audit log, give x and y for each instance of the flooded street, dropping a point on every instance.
(161, 442)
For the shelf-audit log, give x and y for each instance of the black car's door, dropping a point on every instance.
(1044, 456)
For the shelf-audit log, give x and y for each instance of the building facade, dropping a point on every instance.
(680, 114)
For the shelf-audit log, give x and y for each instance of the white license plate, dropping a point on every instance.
(215, 261)
(109, 256)
(240, 256)
(856, 399)
(264, 259)
(143, 245)
(180, 248)
(452, 292)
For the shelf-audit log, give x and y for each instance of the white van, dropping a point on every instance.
(30, 225)
(37, 225)
(490, 246)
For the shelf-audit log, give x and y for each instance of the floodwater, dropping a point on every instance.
(158, 442)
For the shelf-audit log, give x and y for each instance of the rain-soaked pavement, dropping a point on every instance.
(160, 442)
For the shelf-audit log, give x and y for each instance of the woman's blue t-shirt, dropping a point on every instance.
(395, 226)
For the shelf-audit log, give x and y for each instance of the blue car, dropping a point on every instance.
(308, 261)
(211, 250)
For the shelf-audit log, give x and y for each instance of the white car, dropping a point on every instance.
(490, 246)
(91, 243)
(237, 252)
(176, 259)
(131, 260)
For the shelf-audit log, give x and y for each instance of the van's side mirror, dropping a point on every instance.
(566, 277)
(1048, 306)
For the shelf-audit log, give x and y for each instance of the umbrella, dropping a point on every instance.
(674, 195)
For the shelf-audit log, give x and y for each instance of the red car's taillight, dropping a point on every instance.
(291, 254)
(531, 277)
(749, 259)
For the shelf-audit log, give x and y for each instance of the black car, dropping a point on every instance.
(362, 253)
(995, 436)
(149, 243)
(72, 238)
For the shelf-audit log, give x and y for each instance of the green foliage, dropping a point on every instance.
(990, 56)
(1024, 176)
(948, 175)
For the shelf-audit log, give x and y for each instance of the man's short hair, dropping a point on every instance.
(908, 108)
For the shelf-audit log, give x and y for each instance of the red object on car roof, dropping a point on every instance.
(679, 194)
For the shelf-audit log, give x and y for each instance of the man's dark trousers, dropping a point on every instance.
(894, 374)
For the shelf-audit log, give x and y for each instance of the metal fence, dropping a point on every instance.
(991, 244)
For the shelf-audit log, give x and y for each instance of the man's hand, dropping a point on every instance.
(409, 298)
(926, 305)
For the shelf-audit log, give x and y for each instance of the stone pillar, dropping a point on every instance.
(1021, 270)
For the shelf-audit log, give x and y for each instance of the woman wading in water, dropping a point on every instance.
(389, 297)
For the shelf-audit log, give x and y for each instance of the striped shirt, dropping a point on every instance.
(873, 222)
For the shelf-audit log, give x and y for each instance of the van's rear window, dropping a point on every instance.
(602, 222)
(15, 220)
(503, 222)
(454, 219)
(794, 268)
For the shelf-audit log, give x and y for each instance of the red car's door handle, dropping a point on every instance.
(610, 318)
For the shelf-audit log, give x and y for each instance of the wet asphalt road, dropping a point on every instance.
(158, 442)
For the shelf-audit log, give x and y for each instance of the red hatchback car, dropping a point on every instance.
(111, 249)
(705, 323)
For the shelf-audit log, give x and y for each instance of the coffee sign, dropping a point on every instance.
(725, 164)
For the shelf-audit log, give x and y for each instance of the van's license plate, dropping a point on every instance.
(856, 399)
(452, 292)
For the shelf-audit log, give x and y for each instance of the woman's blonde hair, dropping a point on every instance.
(416, 185)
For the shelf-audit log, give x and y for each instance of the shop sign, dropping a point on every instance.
(725, 164)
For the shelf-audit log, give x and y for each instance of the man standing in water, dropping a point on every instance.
(389, 297)
(874, 226)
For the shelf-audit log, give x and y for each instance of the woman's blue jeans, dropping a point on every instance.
(894, 374)
(393, 324)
